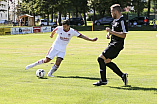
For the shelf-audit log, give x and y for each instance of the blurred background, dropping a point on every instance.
(79, 12)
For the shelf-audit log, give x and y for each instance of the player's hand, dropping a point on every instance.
(95, 39)
(51, 36)
(108, 29)
(108, 35)
(107, 60)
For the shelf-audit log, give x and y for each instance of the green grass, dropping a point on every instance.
(72, 83)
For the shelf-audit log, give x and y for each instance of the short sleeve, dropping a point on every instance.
(124, 26)
(56, 30)
(76, 33)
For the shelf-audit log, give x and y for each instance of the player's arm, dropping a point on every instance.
(86, 38)
(53, 32)
(118, 34)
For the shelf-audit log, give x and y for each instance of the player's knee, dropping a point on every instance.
(58, 61)
(99, 59)
(46, 60)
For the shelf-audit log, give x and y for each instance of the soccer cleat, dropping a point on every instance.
(124, 78)
(28, 67)
(99, 83)
(50, 74)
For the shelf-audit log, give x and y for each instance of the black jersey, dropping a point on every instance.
(118, 25)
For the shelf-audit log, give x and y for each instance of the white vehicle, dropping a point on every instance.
(43, 22)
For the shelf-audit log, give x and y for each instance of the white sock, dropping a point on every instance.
(54, 68)
(41, 61)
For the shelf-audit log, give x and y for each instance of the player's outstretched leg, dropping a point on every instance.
(115, 69)
(34, 64)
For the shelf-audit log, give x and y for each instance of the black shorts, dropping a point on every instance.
(111, 52)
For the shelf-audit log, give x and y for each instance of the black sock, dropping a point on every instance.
(115, 69)
(102, 66)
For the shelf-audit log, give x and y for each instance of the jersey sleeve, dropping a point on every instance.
(56, 30)
(124, 26)
(76, 33)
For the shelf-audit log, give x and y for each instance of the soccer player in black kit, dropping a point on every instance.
(118, 34)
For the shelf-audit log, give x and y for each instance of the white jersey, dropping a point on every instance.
(63, 38)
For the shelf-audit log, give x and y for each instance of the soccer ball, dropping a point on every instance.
(40, 73)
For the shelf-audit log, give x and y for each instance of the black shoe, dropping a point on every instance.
(99, 83)
(124, 78)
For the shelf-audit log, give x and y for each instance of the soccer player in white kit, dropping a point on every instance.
(58, 48)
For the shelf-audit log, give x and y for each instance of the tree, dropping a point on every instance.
(139, 5)
(102, 7)
(92, 5)
(154, 7)
(45, 9)
(62, 7)
(30, 7)
(148, 8)
(83, 8)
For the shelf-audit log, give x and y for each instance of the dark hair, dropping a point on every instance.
(66, 22)
(116, 7)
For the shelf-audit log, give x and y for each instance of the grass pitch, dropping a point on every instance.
(72, 83)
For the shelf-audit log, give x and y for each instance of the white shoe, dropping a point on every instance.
(50, 74)
(28, 67)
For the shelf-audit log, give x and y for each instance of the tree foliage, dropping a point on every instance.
(139, 6)
(103, 6)
(76, 7)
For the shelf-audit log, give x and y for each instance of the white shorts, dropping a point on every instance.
(53, 52)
